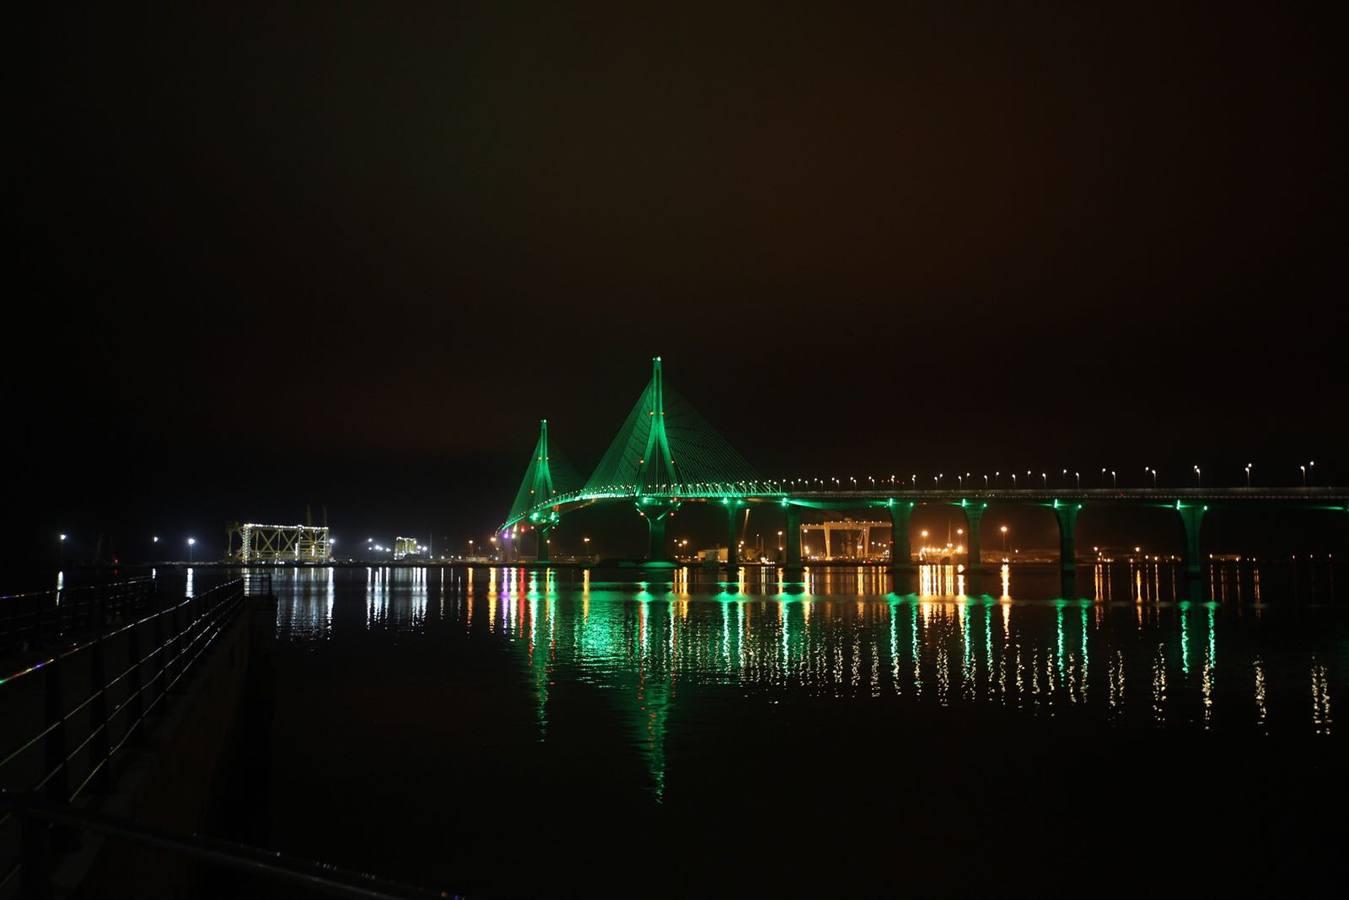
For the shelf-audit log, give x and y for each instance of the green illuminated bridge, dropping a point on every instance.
(666, 455)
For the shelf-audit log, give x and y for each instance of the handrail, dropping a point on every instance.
(35, 813)
(83, 731)
(135, 580)
(75, 649)
(35, 619)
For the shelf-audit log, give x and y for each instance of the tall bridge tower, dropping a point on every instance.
(537, 488)
(656, 470)
(664, 454)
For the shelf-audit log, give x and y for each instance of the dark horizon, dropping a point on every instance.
(271, 259)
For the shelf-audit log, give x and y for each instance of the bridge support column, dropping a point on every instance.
(656, 537)
(544, 554)
(974, 515)
(901, 554)
(732, 536)
(974, 563)
(793, 538)
(1066, 513)
(655, 515)
(1192, 517)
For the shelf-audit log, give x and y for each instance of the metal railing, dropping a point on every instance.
(74, 741)
(45, 618)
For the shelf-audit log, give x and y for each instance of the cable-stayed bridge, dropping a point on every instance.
(665, 455)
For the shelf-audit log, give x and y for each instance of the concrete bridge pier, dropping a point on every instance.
(544, 554)
(793, 567)
(903, 570)
(974, 515)
(974, 562)
(655, 515)
(1066, 514)
(1192, 518)
(732, 535)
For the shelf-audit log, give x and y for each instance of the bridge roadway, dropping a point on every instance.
(1190, 505)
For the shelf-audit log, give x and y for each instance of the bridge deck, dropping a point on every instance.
(885, 495)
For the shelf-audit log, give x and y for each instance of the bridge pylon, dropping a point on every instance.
(657, 465)
(656, 469)
(665, 454)
(545, 478)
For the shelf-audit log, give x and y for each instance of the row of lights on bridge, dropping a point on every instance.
(1307, 470)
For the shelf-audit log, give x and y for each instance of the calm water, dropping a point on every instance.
(507, 732)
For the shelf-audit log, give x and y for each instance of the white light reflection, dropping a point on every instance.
(1261, 710)
(1321, 721)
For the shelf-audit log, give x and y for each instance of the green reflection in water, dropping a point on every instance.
(646, 649)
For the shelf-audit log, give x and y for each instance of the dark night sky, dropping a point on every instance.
(348, 254)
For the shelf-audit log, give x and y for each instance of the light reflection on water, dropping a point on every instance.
(655, 648)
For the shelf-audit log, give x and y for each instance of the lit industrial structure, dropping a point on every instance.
(278, 543)
(403, 547)
(857, 549)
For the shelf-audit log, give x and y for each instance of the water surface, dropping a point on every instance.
(510, 731)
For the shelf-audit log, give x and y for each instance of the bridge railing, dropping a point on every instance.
(70, 713)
